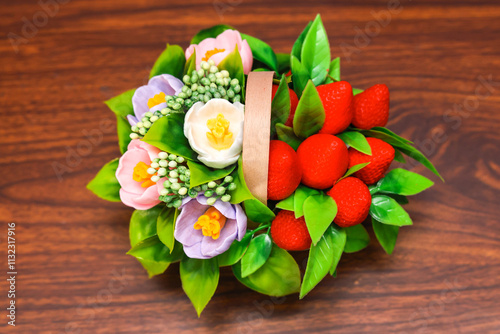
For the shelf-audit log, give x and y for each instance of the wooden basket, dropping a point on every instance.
(257, 132)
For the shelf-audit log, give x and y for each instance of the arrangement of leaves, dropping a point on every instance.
(256, 261)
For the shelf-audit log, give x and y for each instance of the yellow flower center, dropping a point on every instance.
(141, 175)
(210, 53)
(219, 136)
(211, 223)
(156, 100)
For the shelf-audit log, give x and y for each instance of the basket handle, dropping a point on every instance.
(257, 132)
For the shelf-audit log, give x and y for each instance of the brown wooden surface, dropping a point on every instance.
(432, 55)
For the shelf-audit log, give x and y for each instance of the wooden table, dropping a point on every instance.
(441, 61)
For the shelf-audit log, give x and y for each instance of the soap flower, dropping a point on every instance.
(206, 230)
(218, 48)
(138, 190)
(151, 97)
(215, 131)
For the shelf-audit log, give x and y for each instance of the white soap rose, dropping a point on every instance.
(215, 131)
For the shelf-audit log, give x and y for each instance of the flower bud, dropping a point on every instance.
(220, 190)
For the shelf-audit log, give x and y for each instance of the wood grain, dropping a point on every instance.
(74, 276)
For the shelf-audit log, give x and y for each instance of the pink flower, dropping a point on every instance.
(137, 189)
(218, 48)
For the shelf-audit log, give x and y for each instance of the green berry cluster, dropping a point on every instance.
(140, 129)
(177, 186)
(218, 190)
(201, 86)
(208, 83)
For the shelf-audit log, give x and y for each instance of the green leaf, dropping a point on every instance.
(310, 114)
(262, 52)
(357, 238)
(399, 198)
(190, 65)
(319, 212)
(413, 153)
(121, 105)
(279, 276)
(171, 61)
(154, 256)
(300, 77)
(201, 174)
(287, 203)
(280, 105)
(386, 235)
(356, 91)
(392, 134)
(236, 251)
(386, 210)
(242, 193)
(104, 184)
(403, 182)
(357, 141)
(123, 130)
(297, 46)
(286, 134)
(320, 261)
(167, 134)
(256, 255)
(143, 224)
(339, 240)
(354, 169)
(315, 54)
(165, 225)
(334, 71)
(388, 138)
(211, 32)
(403, 146)
(258, 212)
(199, 280)
(301, 194)
(398, 156)
(254, 209)
(234, 65)
(283, 62)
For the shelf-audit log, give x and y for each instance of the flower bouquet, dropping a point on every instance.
(233, 155)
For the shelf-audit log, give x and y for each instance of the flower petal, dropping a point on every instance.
(132, 120)
(241, 218)
(194, 251)
(184, 227)
(143, 201)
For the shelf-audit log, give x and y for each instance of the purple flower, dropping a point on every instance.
(151, 97)
(206, 231)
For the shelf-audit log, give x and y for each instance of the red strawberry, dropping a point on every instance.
(380, 160)
(353, 201)
(284, 171)
(289, 232)
(294, 101)
(323, 159)
(371, 107)
(337, 101)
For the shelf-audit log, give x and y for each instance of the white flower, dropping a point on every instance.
(215, 131)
